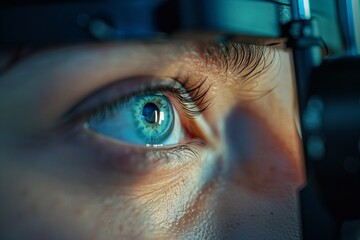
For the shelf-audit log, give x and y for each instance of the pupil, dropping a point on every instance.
(151, 113)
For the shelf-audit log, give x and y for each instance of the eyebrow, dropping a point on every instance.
(241, 60)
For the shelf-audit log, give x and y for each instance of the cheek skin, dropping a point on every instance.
(73, 196)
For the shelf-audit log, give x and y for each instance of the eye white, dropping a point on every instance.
(124, 122)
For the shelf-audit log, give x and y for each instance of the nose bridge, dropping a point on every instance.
(246, 143)
(257, 158)
(259, 187)
(240, 136)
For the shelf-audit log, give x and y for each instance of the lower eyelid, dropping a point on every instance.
(134, 160)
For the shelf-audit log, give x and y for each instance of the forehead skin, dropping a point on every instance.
(53, 185)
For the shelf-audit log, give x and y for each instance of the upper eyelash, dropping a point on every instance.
(235, 57)
(191, 97)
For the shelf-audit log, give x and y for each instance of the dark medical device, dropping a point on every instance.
(328, 91)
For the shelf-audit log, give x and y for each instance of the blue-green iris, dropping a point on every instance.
(143, 119)
(153, 117)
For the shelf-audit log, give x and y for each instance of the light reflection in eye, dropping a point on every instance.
(149, 120)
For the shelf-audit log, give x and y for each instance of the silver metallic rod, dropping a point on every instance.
(301, 9)
(351, 25)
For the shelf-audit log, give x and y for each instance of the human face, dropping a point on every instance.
(233, 173)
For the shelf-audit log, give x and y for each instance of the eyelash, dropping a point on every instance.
(191, 97)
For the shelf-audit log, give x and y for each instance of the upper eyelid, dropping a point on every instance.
(105, 95)
(120, 92)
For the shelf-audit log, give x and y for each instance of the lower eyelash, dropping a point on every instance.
(138, 160)
(183, 151)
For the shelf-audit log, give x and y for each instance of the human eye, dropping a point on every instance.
(147, 119)
(145, 111)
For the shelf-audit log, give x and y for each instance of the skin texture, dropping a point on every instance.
(61, 181)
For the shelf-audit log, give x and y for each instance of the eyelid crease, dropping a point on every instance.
(191, 97)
